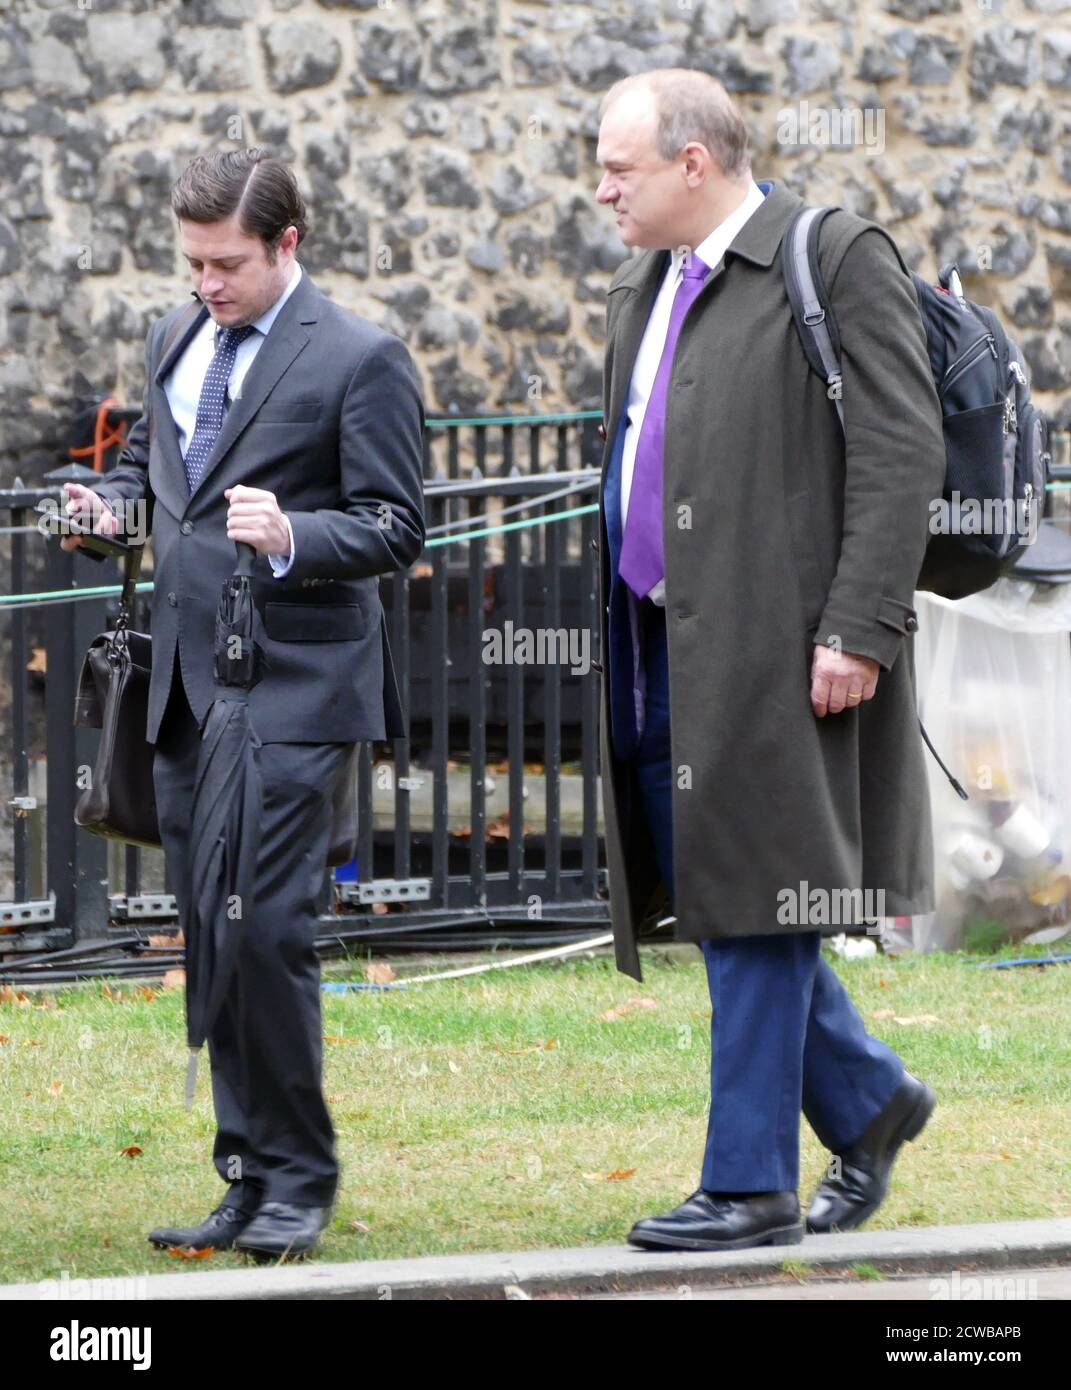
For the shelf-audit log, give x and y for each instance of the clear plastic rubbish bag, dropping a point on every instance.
(994, 685)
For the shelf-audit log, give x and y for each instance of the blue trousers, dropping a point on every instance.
(784, 1034)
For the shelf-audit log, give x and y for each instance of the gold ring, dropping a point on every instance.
(855, 694)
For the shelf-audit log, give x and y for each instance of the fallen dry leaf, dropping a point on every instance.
(115, 995)
(618, 1175)
(131, 1151)
(379, 973)
(56, 1089)
(173, 979)
(628, 1007)
(360, 1227)
(182, 1254)
(4, 1039)
(332, 1038)
(534, 1047)
(146, 992)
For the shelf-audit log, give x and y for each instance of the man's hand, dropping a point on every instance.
(87, 509)
(840, 680)
(254, 516)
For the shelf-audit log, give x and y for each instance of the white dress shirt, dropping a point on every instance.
(710, 250)
(183, 385)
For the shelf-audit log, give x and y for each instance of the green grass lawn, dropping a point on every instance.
(489, 1113)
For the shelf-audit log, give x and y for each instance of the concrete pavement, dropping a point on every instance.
(950, 1252)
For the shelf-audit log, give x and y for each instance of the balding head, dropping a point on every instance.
(686, 106)
(675, 151)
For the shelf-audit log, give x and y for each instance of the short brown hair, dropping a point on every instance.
(691, 105)
(256, 185)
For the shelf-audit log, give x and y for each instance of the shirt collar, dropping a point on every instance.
(711, 249)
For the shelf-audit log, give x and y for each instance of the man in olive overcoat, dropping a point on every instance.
(756, 580)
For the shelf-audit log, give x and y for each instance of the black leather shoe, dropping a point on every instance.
(280, 1228)
(844, 1202)
(709, 1222)
(218, 1231)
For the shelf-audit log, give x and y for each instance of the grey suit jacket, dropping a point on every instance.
(330, 420)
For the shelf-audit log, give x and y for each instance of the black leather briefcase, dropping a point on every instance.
(113, 696)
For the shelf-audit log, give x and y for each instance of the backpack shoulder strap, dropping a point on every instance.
(809, 298)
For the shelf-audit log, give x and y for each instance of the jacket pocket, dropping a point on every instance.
(307, 622)
(293, 410)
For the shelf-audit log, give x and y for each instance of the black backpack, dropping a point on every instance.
(996, 440)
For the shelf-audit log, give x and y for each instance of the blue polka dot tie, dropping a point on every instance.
(213, 397)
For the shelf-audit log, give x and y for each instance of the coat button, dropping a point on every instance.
(601, 431)
(172, 600)
(911, 623)
(186, 528)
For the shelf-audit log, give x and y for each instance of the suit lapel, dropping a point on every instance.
(171, 481)
(177, 344)
(639, 286)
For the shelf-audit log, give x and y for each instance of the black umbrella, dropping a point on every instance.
(225, 820)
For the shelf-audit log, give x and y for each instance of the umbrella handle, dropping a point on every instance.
(247, 554)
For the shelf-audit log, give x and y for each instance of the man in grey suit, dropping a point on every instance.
(275, 417)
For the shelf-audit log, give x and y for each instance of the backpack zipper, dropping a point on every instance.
(967, 359)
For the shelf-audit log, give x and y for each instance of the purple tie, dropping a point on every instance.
(642, 562)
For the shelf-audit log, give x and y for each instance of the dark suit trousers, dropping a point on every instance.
(274, 1139)
(784, 1034)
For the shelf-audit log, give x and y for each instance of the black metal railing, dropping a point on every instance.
(519, 867)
